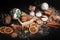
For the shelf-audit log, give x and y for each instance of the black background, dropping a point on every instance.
(7, 5)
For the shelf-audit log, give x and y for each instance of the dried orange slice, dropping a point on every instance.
(8, 30)
(33, 29)
(2, 29)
